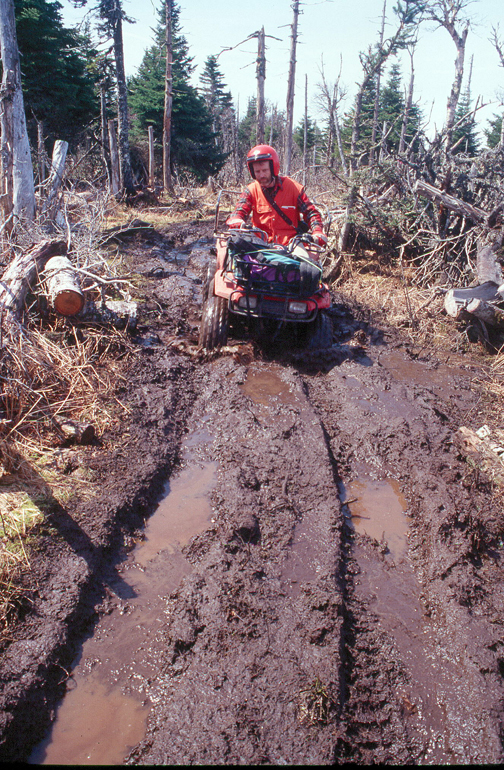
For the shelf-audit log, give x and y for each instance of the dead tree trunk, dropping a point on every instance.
(115, 181)
(21, 273)
(18, 193)
(56, 175)
(261, 77)
(168, 101)
(151, 158)
(374, 131)
(305, 131)
(407, 107)
(105, 150)
(41, 166)
(290, 89)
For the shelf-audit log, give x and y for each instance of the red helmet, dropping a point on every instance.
(263, 152)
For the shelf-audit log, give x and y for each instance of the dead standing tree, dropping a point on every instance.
(409, 15)
(168, 101)
(112, 16)
(448, 14)
(289, 117)
(260, 76)
(18, 191)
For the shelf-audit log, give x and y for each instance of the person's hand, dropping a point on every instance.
(319, 238)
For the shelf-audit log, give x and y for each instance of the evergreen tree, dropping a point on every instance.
(366, 121)
(311, 134)
(193, 145)
(391, 111)
(465, 134)
(247, 128)
(219, 103)
(58, 85)
(493, 131)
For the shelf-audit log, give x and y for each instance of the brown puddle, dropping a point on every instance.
(264, 386)
(377, 509)
(97, 723)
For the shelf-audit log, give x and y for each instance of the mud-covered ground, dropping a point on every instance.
(302, 629)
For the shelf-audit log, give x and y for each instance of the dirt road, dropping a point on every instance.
(334, 589)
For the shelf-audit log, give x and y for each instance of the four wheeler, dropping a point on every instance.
(264, 282)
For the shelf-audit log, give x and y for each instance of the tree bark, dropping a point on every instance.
(17, 168)
(56, 175)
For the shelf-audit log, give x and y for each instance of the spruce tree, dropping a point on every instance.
(465, 135)
(58, 85)
(193, 147)
(493, 131)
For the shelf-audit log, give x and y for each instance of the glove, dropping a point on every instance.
(234, 222)
(319, 238)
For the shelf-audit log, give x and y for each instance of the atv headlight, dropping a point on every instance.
(250, 302)
(298, 307)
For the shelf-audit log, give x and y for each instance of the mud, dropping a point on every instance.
(320, 581)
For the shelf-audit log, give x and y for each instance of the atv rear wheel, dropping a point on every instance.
(321, 331)
(214, 320)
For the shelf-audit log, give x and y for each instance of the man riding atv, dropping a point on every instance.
(279, 205)
(268, 272)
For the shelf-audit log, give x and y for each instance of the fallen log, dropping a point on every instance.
(22, 272)
(450, 202)
(63, 287)
(490, 314)
(457, 299)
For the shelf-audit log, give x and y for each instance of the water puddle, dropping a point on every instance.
(103, 715)
(377, 508)
(265, 386)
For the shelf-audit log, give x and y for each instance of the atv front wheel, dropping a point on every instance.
(321, 332)
(214, 320)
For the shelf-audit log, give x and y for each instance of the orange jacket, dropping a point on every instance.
(265, 216)
(289, 196)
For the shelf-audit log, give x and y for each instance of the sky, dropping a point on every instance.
(331, 34)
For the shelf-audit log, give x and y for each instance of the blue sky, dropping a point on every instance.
(328, 29)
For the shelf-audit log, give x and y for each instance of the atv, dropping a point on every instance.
(267, 284)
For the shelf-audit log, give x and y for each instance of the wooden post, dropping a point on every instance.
(305, 131)
(41, 152)
(115, 184)
(151, 158)
(57, 168)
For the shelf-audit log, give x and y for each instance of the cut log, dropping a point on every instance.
(457, 299)
(63, 287)
(22, 272)
(450, 202)
(490, 314)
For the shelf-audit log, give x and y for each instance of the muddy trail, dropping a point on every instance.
(319, 577)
